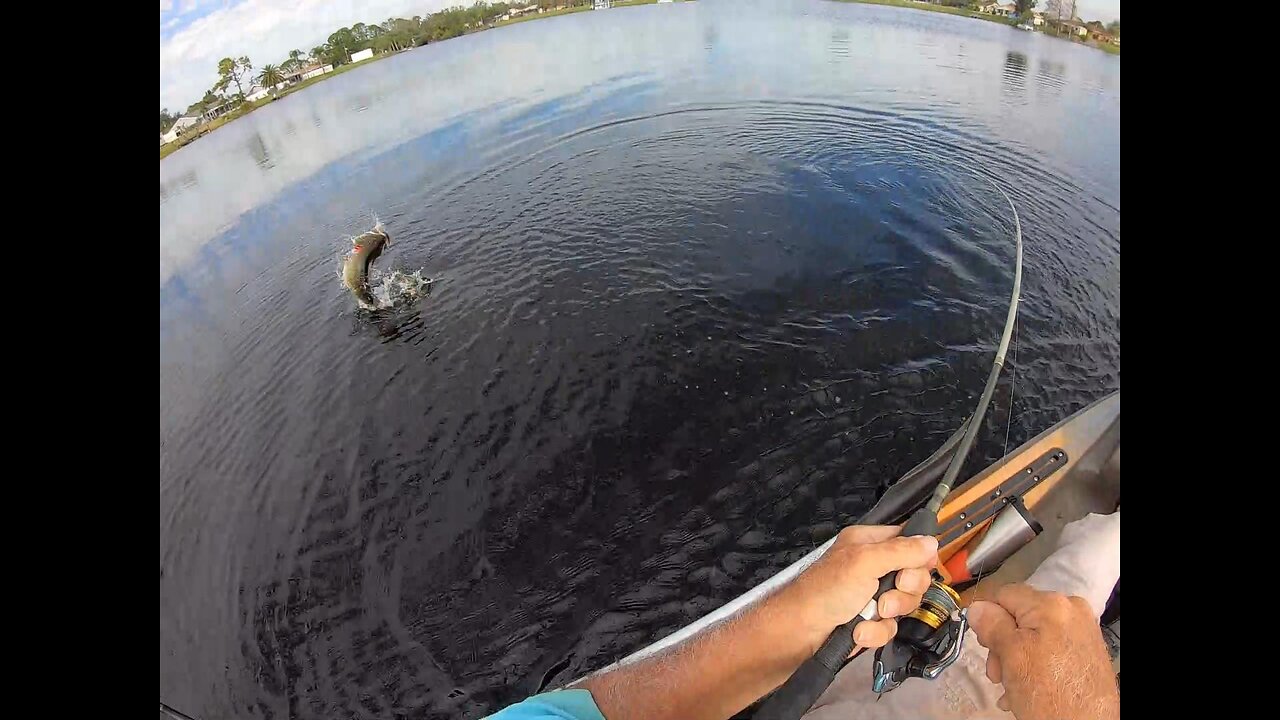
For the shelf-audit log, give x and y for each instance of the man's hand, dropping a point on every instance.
(835, 588)
(1048, 653)
(734, 663)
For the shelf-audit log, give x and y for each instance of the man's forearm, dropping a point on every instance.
(726, 668)
(718, 672)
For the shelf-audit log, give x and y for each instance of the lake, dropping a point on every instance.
(707, 278)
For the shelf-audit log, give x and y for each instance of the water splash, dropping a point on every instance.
(390, 289)
(397, 287)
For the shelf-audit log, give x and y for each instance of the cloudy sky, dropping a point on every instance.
(195, 34)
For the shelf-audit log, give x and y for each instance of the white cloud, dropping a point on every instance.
(166, 5)
(265, 30)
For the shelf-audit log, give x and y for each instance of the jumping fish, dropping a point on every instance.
(355, 271)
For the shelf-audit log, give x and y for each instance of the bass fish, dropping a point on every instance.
(355, 271)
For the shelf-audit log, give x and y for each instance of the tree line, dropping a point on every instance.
(1055, 12)
(236, 76)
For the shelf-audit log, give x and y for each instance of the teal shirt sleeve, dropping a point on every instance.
(557, 705)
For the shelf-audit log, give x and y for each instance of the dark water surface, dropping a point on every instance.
(709, 277)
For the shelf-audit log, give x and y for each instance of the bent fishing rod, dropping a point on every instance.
(898, 660)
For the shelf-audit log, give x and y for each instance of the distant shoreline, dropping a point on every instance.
(247, 107)
(930, 7)
(965, 12)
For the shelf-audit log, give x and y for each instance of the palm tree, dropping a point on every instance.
(294, 61)
(270, 76)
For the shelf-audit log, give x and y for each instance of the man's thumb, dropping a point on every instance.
(993, 625)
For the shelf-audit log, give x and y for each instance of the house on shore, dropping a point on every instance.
(178, 127)
(1102, 36)
(317, 71)
(362, 55)
(1074, 27)
(306, 73)
(518, 12)
(216, 111)
(998, 9)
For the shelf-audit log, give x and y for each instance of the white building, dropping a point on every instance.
(362, 55)
(517, 12)
(600, 5)
(317, 72)
(216, 111)
(179, 126)
(257, 93)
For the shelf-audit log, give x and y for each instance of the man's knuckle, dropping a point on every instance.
(855, 553)
(848, 535)
(1080, 606)
(1058, 605)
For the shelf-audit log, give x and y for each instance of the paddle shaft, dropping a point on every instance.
(814, 676)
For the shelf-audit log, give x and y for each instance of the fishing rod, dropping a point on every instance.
(173, 712)
(922, 649)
